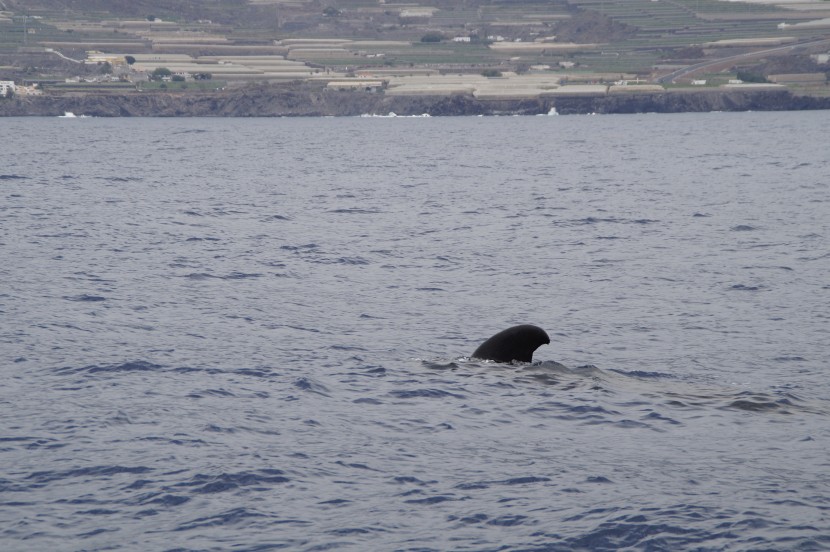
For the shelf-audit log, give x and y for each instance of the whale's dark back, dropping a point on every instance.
(516, 343)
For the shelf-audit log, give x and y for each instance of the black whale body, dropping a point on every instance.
(516, 343)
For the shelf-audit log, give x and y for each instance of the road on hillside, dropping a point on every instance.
(715, 63)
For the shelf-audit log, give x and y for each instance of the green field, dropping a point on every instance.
(181, 86)
(621, 36)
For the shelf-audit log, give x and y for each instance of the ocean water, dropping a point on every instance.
(254, 334)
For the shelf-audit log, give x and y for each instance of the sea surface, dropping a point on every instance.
(253, 334)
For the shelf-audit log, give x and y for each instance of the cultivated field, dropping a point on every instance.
(413, 48)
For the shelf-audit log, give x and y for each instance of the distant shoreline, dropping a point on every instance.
(308, 101)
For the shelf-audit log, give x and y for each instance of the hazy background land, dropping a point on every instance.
(486, 50)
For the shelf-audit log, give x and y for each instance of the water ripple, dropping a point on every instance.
(222, 345)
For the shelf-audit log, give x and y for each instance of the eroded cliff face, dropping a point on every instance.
(264, 101)
(682, 102)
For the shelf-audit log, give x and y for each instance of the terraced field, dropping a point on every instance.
(279, 40)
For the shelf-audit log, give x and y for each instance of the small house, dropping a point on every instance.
(6, 88)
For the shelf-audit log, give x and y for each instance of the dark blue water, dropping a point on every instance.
(252, 334)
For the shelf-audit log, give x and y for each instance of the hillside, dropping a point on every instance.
(524, 48)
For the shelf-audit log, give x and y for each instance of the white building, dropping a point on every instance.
(6, 87)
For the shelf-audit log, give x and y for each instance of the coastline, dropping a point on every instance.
(310, 101)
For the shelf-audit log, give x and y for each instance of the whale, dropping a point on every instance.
(516, 343)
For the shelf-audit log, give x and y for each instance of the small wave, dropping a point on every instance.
(135, 366)
(567, 412)
(633, 533)
(97, 512)
(643, 374)
(163, 499)
(303, 329)
(365, 316)
(640, 387)
(230, 517)
(443, 365)
(743, 287)
(529, 480)
(758, 405)
(368, 400)
(393, 115)
(656, 416)
(346, 348)
(428, 501)
(210, 484)
(594, 220)
(787, 268)
(232, 276)
(779, 402)
(409, 479)
(210, 393)
(308, 384)
(121, 178)
(473, 519)
(509, 520)
(256, 372)
(138, 366)
(743, 228)
(356, 211)
(424, 393)
(85, 298)
(43, 477)
(355, 465)
(305, 247)
(241, 275)
(13, 177)
(199, 276)
(355, 261)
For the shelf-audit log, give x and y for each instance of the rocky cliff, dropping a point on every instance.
(300, 100)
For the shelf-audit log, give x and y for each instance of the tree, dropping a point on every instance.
(160, 72)
(106, 68)
(432, 36)
(129, 59)
(178, 78)
(750, 76)
(491, 73)
(331, 11)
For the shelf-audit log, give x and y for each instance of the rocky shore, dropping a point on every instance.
(309, 101)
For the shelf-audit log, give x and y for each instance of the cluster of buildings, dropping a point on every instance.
(9, 88)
